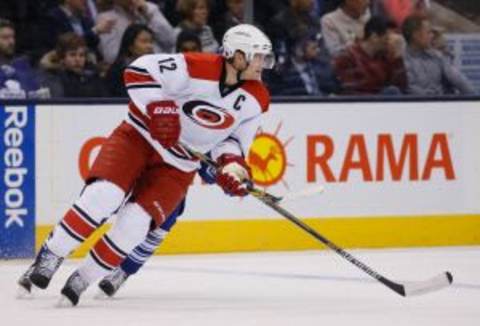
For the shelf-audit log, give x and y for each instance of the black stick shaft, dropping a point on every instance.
(292, 218)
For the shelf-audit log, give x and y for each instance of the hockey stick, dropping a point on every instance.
(406, 289)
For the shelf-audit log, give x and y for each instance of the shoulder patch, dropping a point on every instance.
(259, 91)
(204, 65)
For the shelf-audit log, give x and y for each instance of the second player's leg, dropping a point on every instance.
(135, 260)
(111, 283)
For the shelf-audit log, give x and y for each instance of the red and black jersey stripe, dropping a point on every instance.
(134, 77)
(78, 224)
(139, 118)
(107, 254)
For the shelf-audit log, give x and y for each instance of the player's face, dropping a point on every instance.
(253, 70)
(142, 45)
(7, 41)
(75, 60)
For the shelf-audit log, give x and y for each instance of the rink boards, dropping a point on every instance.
(395, 175)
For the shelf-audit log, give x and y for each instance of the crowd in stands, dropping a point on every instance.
(79, 48)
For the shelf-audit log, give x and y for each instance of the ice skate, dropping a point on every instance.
(72, 290)
(45, 265)
(110, 284)
(25, 285)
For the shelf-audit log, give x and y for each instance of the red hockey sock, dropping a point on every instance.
(128, 231)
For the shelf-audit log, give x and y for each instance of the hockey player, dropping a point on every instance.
(139, 256)
(132, 263)
(211, 103)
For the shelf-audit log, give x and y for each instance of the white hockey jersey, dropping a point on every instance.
(214, 118)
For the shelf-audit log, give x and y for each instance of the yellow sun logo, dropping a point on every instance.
(268, 159)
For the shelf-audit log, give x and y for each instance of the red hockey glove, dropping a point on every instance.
(232, 173)
(164, 124)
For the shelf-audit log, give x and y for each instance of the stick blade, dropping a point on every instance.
(311, 191)
(434, 284)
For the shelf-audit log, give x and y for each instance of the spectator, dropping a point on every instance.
(19, 11)
(293, 23)
(233, 16)
(136, 41)
(345, 25)
(126, 12)
(70, 16)
(188, 42)
(66, 71)
(307, 72)
(27, 17)
(195, 17)
(428, 71)
(373, 65)
(17, 78)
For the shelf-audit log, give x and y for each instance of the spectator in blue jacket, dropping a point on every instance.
(307, 71)
(17, 77)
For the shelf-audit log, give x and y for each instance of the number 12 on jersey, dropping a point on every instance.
(167, 64)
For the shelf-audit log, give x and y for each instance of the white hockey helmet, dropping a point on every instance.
(250, 40)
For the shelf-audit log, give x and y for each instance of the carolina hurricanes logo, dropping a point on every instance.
(208, 115)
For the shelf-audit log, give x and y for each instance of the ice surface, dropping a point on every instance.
(288, 288)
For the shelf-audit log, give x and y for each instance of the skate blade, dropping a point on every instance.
(24, 294)
(64, 302)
